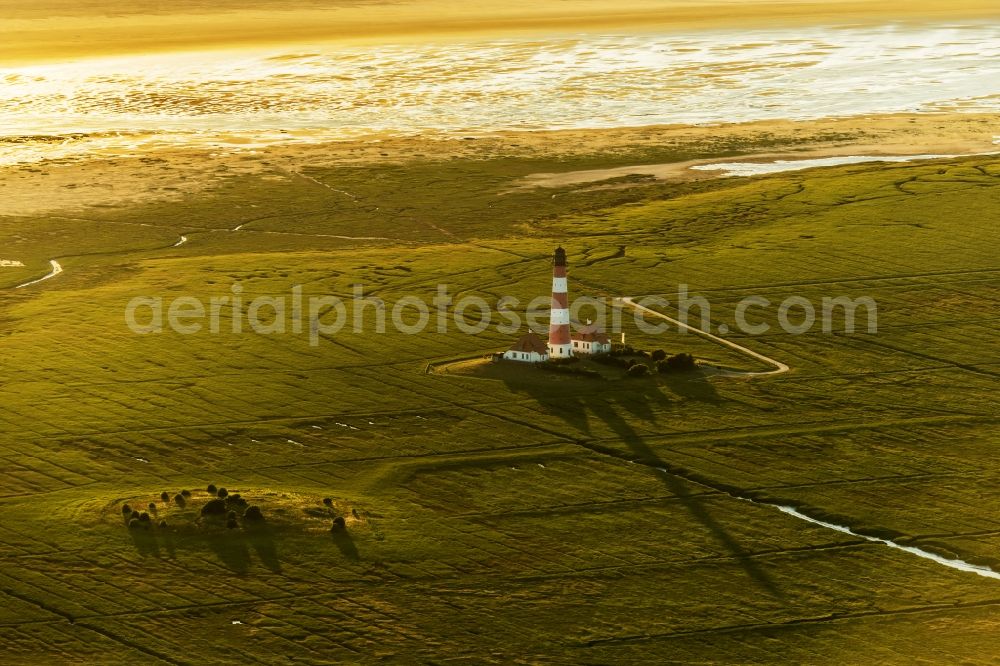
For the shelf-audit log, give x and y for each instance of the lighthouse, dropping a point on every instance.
(560, 344)
(590, 339)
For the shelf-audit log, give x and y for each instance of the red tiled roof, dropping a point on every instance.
(530, 342)
(591, 333)
(592, 336)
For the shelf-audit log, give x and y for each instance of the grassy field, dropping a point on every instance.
(508, 518)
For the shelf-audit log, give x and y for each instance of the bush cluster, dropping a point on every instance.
(622, 350)
(233, 507)
(136, 519)
(682, 362)
(224, 505)
(214, 507)
(235, 500)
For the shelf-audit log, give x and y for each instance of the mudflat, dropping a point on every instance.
(50, 30)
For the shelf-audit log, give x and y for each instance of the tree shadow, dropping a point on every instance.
(145, 541)
(607, 401)
(262, 541)
(231, 549)
(231, 546)
(693, 385)
(169, 543)
(342, 539)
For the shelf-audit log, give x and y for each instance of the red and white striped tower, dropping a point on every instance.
(560, 345)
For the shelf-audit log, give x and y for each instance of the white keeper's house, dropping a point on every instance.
(529, 348)
(590, 339)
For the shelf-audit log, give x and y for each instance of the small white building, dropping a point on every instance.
(529, 348)
(590, 339)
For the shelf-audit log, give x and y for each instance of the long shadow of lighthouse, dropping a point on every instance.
(577, 405)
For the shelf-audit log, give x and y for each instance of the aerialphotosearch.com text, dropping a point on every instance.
(319, 316)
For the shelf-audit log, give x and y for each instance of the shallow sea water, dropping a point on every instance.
(245, 99)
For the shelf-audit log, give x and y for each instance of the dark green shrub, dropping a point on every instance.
(215, 507)
(682, 362)
(686, 361)
(144, 517)
(328, 501)
(253, 515)
(186, 493)
(658, 355)
(163, 524)
(222, 492)
(126, 509)
(338, 524)
(152, 507)
(134, 524)
(179, 500)
(638, 370)
(236, 500)
(165, 496)
(211, 488)
(231, 523)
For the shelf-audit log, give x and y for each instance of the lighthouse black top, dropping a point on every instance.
(559, 258)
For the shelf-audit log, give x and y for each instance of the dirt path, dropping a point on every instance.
(779, 367)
